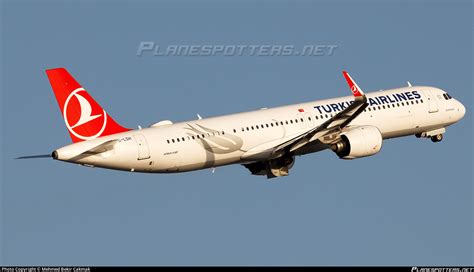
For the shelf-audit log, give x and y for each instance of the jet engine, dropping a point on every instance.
(358, 142)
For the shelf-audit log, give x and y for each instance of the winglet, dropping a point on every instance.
(356, 90)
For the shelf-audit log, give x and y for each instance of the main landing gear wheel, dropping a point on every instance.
(437, 138)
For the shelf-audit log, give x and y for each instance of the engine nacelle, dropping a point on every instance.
(358, 142)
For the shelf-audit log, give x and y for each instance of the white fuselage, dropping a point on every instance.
(233, 139)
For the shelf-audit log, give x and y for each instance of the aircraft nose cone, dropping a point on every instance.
(461, 110)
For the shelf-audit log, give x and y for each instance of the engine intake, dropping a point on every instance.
(358, 142)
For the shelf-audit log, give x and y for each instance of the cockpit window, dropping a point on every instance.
(447, 96)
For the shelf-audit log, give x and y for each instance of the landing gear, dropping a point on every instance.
(279, 167)
(437, 138)
(272, 168)
(435, 135)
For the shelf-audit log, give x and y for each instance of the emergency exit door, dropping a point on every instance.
(432, 103)
(142, 146)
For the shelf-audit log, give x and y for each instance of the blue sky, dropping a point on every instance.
(409, 204)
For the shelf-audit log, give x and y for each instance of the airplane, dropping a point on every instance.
(265, 141)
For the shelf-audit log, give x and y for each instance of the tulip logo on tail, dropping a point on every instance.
(85, 119)
(79, 109)
(354, 90)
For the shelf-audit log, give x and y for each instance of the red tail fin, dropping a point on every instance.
(85, 119)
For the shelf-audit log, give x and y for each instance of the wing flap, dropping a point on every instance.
(264, 151)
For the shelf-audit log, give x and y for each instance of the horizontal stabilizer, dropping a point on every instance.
(86, 151)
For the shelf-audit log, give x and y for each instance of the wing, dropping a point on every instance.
(325, 133)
